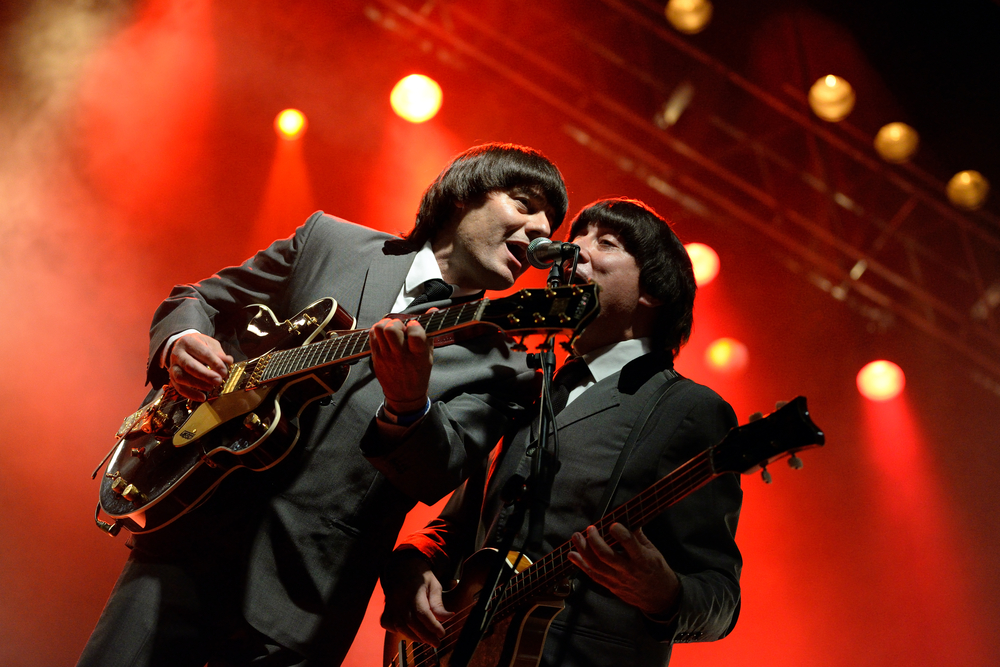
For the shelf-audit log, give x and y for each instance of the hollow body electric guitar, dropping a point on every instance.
(172, 452)
(534, 594)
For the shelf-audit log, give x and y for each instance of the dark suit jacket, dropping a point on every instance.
(696, 535)
(298, 548)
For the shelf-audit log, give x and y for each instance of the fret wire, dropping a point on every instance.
(338, 345)
(312, 356)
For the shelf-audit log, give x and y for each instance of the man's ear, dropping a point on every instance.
(648, 300)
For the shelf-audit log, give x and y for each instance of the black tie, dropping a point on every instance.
(435, 289)
(571, 375)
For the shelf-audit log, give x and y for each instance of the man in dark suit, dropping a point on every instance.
(277, 567)
(677, 579)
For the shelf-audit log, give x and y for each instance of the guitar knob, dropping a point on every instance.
(131, 492)
(795, 462)
(765, 475)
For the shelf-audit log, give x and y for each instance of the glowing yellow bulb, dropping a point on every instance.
(968, 189)
(689, 16)
(727, 355)
(896, 142)
(290, 124)
(705, 262)
(831, 98)
(416, 98)
(881, 380)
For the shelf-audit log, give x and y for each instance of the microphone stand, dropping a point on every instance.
(529, 496)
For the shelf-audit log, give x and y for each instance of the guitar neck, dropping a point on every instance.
(636, 513)
(354, 345)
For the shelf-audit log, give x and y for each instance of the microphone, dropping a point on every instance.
(542, 252)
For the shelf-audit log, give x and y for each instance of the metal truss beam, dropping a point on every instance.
(881, 237)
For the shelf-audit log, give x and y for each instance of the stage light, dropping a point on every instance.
(968, 190)
(727, 355)
(831, 98)
(896, 142)
(881, 380)
(290, 124)
(689, 16)
(705, 262)
(416, 98)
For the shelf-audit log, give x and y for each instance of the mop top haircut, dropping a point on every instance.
(484, 169)
(665, 271)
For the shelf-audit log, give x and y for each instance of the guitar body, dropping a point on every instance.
(172, 453)
(512, 641)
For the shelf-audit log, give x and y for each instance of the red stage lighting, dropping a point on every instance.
(881, 380)
(290, 124)
(705, 262)
(416, 98)
(727, 355)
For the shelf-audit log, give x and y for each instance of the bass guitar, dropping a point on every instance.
(172, 452)
(534, 594)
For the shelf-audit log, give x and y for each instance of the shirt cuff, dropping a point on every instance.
(408, 419)
(165, 354)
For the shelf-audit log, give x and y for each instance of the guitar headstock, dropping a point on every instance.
(784, 432)
(545, 310)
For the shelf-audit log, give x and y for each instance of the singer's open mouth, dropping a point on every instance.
(519, 252)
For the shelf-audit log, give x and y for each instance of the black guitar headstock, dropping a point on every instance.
(544, 310)
(784, 432)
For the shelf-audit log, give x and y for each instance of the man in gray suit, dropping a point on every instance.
(277, 567)
(677, 579)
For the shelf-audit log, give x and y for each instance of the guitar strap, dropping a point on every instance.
(647, 410)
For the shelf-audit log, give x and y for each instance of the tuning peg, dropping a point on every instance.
(795, 462)
(765, 475)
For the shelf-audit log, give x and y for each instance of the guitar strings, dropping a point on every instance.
(668, 490)
(355, 343)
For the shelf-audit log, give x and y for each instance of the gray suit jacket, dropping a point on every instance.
(696, 535)
(298, 548)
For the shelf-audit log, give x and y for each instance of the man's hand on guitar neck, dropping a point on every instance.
(197, 364)
(637, 572)
(413, 605)
(402, 358)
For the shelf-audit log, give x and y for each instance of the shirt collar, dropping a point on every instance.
(606, 361)
(425, 267)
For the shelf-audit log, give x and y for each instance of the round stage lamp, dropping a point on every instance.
(705, 262)
(416, 98)
(689, 16)
(727, 355)
(968, 189)
(881, 380)
(831, 98)
(896, 142)
(290, 124)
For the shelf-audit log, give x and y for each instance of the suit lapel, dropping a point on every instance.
(602, 396)
(382, 284)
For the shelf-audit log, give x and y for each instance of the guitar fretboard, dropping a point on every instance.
(354, 345)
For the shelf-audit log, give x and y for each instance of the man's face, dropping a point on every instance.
(625, 307)
(489, 242)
